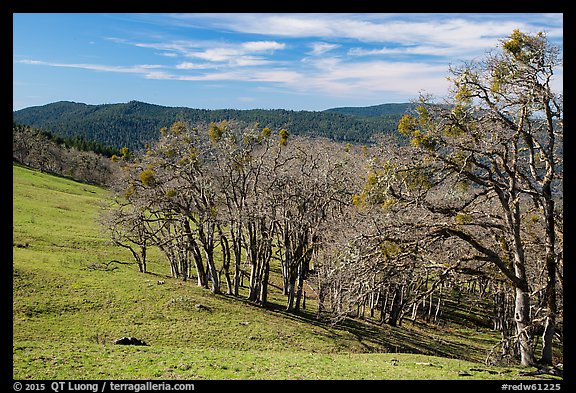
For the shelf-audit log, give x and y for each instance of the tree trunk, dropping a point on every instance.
(252, 256)
(237, 245)
(290, 294)
(215, 287)
(264, 285)
(384, 307)
(430, 306)
(499, 313)
(395, 309)
(202, 280)
(414, 312)
(321, 297)
(183, 262)
(374, 298)
(299, 288)
(437, 313)
(142, 260)
(522, 290)
(196, 255)
(550, 323)
(253, 290)
(522, 320)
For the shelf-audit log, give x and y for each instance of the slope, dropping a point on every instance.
(70, 303)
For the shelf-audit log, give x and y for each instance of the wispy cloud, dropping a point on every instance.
(186, 65)
(327, 75)
(243, 54)
(143, 69)
(262, 46)
(443, 35)
(319, 48)
(376, 27)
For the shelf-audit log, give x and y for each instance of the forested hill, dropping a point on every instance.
(374, 110)
(134, 123)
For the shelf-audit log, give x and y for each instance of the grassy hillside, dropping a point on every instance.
(70, 304)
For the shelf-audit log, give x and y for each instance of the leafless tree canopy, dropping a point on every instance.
(472, 204)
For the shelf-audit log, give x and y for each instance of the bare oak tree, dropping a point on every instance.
(487, 159)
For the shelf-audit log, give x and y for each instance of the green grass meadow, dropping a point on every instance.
(68, 308)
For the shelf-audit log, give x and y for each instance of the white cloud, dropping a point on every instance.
(319, 48)
(190, 66)
(216, 54)
(158, 75)
(278, 76)
(422, 50)
(249, 61)
(209, 50)
(262, 46)
(374, 77)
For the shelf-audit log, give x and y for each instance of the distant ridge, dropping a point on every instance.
(374, 110)
(135, 123)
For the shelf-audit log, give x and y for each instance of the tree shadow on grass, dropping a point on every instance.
(366, 336)
(373, 337)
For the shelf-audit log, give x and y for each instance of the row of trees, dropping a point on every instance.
(72, 157)
(475, 197)
(237, 189)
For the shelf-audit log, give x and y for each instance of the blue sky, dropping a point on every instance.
(298, 61)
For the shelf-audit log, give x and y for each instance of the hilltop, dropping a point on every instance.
(393, 109)
(135, 123)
